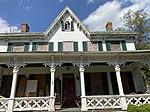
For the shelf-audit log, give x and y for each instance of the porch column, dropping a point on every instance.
(120, 87)
(52, 70)
(16, 65)
(52, 64)
(81, 66)
(83, 98)
(109, 83)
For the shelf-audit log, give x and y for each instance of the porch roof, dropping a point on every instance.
(102, 56)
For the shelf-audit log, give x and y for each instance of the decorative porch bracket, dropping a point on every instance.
(16, 64)
(52, 64)
(81, 66)
(117, 64)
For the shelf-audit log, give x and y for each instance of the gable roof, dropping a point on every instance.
(67, 9)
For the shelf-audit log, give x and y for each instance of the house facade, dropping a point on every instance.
(69, 66)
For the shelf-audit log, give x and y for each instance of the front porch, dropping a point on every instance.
(87, 76)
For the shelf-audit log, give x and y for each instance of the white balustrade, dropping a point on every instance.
(3, 104)
(138, 99)
(103, 102)
(34, 103)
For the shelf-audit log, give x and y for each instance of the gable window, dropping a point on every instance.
(67, 25)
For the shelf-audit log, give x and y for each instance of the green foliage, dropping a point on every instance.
(138, 22)
(142, 108)
(145, 69)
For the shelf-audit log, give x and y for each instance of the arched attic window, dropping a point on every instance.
(67, 25)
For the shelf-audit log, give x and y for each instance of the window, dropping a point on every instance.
(67, 25)
(40, 46)
(115, 45)
(18, 47)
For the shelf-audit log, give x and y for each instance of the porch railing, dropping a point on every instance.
(116, 101)
(29, 103)
(3, 104)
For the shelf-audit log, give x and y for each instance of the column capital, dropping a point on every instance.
(116, 63)
(117, 68)
(81, 68)
(16, 64)
(52, 64)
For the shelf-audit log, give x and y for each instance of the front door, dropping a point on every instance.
(68, 90)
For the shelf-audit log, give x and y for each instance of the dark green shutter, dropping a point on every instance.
(34, 46)
(72, 26)
(100, 47)
(60, 46)
(51, 46)
(85, 46)
(10, 47)
(62, 26)
(123, 43)
(75, 46)
(26, 47)
(108, 46)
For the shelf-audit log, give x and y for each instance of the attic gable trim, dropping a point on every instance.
(59, 17)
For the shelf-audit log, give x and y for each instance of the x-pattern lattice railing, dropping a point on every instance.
(34, 103)
(3, 104)
(101, 102)
(138, 99)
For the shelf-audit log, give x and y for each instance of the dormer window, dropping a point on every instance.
(67, 25)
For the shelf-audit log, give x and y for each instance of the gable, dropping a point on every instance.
(63, 17)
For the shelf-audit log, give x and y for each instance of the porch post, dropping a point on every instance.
(16, 67)
(52, 64)
(120, 87)
(13, 89)
(83, 98)
(52, 70)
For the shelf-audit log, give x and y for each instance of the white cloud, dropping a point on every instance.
(6, 28)
(113, 11)
(61, 1)
(90, 1)
(25, 4)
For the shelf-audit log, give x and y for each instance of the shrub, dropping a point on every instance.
(142, 108)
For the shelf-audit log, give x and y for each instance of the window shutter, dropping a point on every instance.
(34, 46)
(10, 47)
(60, 46)
(72, 26)
(51, 46)
(62, 26)
(75, 46)
(123, 43)
(85, 46)
(26, 47)
(100, 47)
(108, 46)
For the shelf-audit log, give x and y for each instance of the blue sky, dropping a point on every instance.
(39, 14)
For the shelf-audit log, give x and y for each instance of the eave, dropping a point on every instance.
(22, 36)
(110, 34)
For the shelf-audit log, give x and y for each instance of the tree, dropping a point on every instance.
(139, 22)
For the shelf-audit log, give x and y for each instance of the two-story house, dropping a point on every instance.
(68, 66)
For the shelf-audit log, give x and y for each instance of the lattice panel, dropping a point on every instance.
(3, 104)
(34, 104)
(138, 100)
(103, 102)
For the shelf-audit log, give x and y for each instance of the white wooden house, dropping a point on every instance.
(67, 65)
